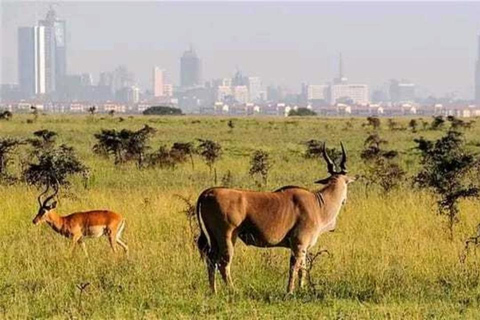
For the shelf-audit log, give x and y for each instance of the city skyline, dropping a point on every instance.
(271, 51)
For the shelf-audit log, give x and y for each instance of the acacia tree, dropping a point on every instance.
(373, 122)
(43, 140)
(381, 166)
(260, 164)
(51, 165)
(210, 151)
(92, 110)
(182, 150)
(125, 144)
(7, 148)
(438, 123)
(35, 112)
(6, 115)
(446, 165)
(315, 151)
(413, 124)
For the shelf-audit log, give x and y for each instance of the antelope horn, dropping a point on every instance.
(41, 194)
(344, 159)
(330, 164)
(55, 187)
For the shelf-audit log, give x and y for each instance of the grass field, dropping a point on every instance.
(390, 256)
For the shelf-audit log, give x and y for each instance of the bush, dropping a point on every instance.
(446, 165)
(124, 145)
(301, 112)
(6, 115)
(7, 148)
(162, 158)
(260, 165)
(381, 168)
(437, 123)
(162, 111)
(315, 151)
(210, 151)
(373, 122)
(51, 165)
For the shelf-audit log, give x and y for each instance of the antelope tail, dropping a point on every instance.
(204, 243)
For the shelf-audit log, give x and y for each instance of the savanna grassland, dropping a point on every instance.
(390, 256)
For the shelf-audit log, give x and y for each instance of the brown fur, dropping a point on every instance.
(291, 217)
(79, 225)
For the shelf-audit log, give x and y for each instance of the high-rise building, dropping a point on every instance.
(343, 92)
(158, 82)
(190, 69)
(42, 56)
(341, 77)
(477, 76)
(32, 71)
(55, 50)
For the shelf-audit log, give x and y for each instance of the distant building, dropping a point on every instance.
(477, 76)
(317, 92)
(168, 90)
(31, 72)
(254, 89)
(274, 94)
(190, 70)
(343, 92)
(55, 51)
(223, 92)
(349, 93)
(158, 82)
(402, 91)
(240, 94)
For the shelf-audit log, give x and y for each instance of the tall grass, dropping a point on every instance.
(390, 256)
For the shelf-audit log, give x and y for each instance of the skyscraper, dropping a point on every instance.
(190, 69)
(31, 61)
(56, 51)
(477, 75)
(42, 56)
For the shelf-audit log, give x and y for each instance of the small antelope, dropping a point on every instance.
(291, 217)
(79, 225)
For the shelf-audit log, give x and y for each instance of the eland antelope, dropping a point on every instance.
(80, 225)
(290, 217)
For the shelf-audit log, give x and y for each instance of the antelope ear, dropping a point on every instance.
(54, 205)
(323, 181)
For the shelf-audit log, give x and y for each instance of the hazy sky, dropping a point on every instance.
(433, 44)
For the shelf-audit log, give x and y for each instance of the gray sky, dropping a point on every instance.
(433, 44)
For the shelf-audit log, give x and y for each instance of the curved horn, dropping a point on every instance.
(55, 187)
(41, 194)
(344, 159)
(330, 164)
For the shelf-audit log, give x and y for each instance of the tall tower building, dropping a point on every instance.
(190, 69)
(477, 75)
(55, 50)
(42, 56)
(31, 61)
(341, 77)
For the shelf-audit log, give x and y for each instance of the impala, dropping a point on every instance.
(80, 225)
(291, 217)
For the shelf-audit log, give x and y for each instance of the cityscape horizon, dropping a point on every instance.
(189, 82)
